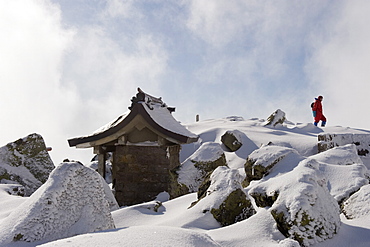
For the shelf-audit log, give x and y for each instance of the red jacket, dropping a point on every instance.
(317, 106)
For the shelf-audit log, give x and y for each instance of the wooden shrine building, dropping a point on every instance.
(145, 146)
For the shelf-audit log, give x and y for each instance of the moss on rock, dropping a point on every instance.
(236, 207)
(263, 200)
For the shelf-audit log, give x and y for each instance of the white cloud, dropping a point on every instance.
(32, 46)
(339, 67)
(63, 82)
(215, 59)
(122, 9)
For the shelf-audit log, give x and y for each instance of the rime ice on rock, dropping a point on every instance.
(71, 202)
(25, 162)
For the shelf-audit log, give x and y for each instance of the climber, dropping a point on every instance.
(318, 112)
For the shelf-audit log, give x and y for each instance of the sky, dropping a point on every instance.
(69, 67)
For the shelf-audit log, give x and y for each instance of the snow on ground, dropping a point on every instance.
(172, 223)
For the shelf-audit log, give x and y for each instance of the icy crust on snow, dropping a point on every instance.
(71, 202)
(304, 209)
(357, 205)
(191, 174)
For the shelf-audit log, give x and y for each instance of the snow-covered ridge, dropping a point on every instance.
(303, 198)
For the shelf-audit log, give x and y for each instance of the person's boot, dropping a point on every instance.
(315, 123)
(323, 124)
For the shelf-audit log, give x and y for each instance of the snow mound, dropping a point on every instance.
(71, 202)
(139, 236)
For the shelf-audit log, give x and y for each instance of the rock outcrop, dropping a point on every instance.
(72, 201)
(25, 162)
(328, 141)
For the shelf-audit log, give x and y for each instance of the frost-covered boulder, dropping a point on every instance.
(343, 170)
(232, 140)
(71, 202)
(278, 117)
(192, 172)
(357, 205)
(25, 162)
(301, 203)
(225, 198)
(261, 161)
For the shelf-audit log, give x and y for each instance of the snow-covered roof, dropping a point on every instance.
(146, 111)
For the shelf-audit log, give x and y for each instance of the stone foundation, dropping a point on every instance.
(140, 173)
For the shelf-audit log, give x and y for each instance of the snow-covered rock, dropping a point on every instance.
(261, 161)
(194, 169)
(357, 205)
(330, 140)
(71, 202)
(25, 162)
(278, 117)
(225, 198)
(301, 203)
(342, 164)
